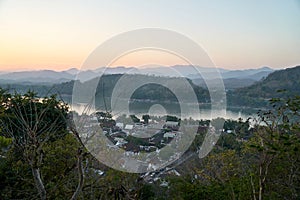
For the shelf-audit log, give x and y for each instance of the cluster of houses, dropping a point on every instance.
(147, 137)
(150, 136)
(144, 137)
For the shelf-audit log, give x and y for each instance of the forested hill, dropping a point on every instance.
(255, 96)
(287, 79)
(107, 83)
(154, 92)
(282, 83)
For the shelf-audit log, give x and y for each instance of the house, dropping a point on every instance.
(148, 148)
(172, 125)
(169, 135)
(128, 127)
(174, 172)
(99, 172)
(229, 131)
(120, 141)
(120, 125)
(164, 184)
(94, 119)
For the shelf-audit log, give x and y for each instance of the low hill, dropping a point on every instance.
(282, 83)
(152, 92)
(287, 79)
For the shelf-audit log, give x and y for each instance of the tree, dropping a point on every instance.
(146, 118)
(105, 119)
(135, 119)
(275, 148)
(172, 118)
(31, 122)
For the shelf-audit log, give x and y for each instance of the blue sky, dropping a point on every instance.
(236, 34)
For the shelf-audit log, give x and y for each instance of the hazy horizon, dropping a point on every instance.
(138, 67)
(54, 35)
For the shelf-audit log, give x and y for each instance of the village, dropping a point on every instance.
(140, 135)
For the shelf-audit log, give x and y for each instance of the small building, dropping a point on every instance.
(174, 172)
(120, 125)
(172, 125)
(169, 135)
(164, 184)
(94, 118)
(128, 127)
(120, 141)
(229, 131)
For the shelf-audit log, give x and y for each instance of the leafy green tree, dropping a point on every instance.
(135, 119)
(105, 119)
(172, 118)
(4, 144)
(275, 146)
(146, 118)
(31, 122)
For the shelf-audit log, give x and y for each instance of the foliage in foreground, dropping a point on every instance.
(260, 162)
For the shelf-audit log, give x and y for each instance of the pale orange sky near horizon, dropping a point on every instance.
(236, 35)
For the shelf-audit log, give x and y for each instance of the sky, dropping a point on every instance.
(59, 35)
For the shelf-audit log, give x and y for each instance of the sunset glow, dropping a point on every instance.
(60, 35)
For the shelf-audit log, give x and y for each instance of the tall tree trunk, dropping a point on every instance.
(39, 183)
(80, 175)
(253, 188)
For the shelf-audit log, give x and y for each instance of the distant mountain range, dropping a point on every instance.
(254, 96)
(232, 78)
(245, 92)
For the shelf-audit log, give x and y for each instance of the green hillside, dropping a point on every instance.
(287, 79)
(282, 83)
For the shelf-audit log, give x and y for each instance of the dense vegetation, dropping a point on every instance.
(286, 81)
(41, 157)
